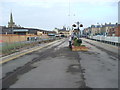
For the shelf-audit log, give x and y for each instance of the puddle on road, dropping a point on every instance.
(73, 68)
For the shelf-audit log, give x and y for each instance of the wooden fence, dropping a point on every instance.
(9, 38)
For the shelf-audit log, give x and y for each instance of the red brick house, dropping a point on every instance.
(111, 32)
(117, 31)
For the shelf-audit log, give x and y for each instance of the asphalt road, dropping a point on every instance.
(53, 67)
(58, 67)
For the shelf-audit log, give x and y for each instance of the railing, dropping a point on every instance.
(106, 39)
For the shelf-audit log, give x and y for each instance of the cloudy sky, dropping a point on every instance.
(48, 14)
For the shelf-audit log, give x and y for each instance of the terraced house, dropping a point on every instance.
(106, 30)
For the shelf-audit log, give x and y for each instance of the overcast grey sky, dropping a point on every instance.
(48, 14)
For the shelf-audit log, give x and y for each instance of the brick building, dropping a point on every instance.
(117, 30)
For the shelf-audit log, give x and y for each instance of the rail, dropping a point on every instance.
(106, 39)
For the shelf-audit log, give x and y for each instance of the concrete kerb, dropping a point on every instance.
(18, 54)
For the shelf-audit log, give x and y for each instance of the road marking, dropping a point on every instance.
(14, 57)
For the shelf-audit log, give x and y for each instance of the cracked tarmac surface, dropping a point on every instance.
(59, 67)
(100, 67)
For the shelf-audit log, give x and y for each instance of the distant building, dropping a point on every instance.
(51, 33)
(63, 29)
(20, 31)
(5, 30)
(62, 32)
(117, 31)
(56, 30)
(107, 29)
(94, 30)
(1, 29)
(84, 32)
(111, 32)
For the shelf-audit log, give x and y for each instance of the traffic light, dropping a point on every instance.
(74, 25)
(81, 25)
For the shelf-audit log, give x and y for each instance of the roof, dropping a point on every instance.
(107, 25)
(20, 30)
(51, 34)
(98, 26)
(95, 26)
(92, 26)
(63, 31)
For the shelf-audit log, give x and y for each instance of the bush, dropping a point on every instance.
(77, 42)
(75, 39)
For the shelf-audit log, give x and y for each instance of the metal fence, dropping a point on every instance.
(107, 39)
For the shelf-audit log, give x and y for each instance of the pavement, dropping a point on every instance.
(100, 67)
(105, 46)
(59, 67)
